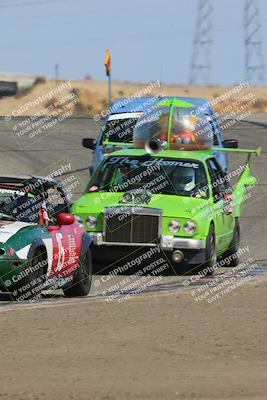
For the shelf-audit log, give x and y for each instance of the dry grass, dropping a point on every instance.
(93, 96)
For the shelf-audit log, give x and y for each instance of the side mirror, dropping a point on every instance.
(230, 144)
(250, 181)
(89, 143)
(216, 193)
(65, 219)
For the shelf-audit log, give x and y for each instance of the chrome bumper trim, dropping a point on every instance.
(191, 244)
(166, 242)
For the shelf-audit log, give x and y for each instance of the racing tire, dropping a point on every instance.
(82, 279)
(31, 286)
(208, 266)
(211, 254)
(231, 253)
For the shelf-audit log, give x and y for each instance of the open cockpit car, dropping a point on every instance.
(41, 244)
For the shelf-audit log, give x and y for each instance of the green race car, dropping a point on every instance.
(180, 201)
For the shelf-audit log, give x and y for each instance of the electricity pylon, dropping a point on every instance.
(254, 60)
(201, 57)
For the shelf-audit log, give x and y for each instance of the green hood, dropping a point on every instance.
(172, 206)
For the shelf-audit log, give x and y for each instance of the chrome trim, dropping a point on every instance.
(98, 240)
(133, 210)
(2, 251)
(191, 244)
(176, 243)
(130, 244)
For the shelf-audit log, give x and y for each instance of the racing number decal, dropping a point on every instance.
(58, 251)
(67, 245)
(71, 242)
(61, 252)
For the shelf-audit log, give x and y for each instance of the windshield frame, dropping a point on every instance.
(8, 198)
(99, 172)
(105, 139)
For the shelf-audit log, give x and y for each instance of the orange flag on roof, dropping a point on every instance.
(108, 62)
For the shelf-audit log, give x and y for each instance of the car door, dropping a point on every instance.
(66, 248)
(222, 214)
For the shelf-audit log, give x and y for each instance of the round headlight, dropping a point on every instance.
(91, 221)
(78, 218)
(174, 226)
(190, 227)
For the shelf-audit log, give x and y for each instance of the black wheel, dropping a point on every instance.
(231, 253)
(211, 253)
(81, 283)
(211, 256)
(31, 285)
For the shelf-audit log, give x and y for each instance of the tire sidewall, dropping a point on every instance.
(211, 255)
(31, 285)
(82, 278)
(84, 271)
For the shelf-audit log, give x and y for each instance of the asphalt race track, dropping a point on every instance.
(59, 151)
(168, 337)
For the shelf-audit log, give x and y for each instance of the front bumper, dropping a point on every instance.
(9, 274)
(166, 242)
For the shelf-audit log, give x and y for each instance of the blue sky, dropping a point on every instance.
(149, 39)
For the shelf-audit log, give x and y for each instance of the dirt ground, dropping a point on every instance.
(154, 346)
(92, 97)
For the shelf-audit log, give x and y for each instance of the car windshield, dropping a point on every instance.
(119, 130)
(18, 205)
(181, 177)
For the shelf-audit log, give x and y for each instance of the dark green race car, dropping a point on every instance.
(41, 244)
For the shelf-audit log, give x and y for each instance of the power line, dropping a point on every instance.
(254, 60)
(201, 56)
(29, 3)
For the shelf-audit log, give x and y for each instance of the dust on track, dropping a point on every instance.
(177, 284)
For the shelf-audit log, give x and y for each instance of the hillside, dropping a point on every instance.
(89, 97)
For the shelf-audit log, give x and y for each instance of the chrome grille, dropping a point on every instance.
(132, 225)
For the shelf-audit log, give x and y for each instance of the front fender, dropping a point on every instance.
(86, 243)
(35, 244)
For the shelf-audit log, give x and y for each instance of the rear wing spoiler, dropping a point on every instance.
(117, 144)
(248, 151)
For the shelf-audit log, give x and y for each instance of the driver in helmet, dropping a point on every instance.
(123, 174)
(183, 179)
